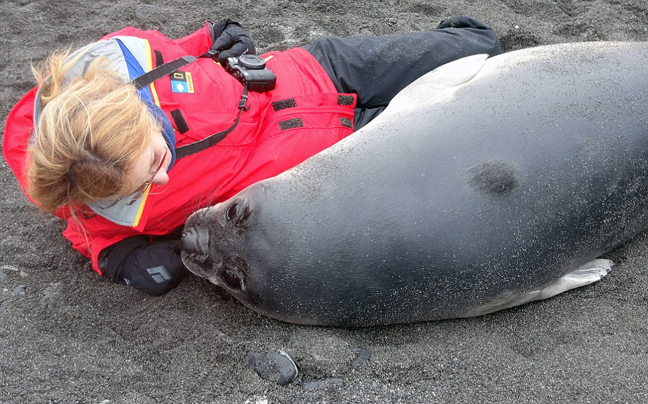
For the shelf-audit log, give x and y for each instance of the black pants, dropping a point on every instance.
(377, 68)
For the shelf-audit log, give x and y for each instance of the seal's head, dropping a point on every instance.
(211, 255)
(227, 245)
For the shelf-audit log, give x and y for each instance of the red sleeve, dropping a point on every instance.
(16, 136)
(90, 244)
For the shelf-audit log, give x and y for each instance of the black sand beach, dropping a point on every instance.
(69, 336)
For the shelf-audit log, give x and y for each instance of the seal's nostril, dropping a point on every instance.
(189, 240)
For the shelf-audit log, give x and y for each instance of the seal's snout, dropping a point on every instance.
(195, 244)
(195, 236)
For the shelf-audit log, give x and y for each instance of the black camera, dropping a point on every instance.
(252, 70)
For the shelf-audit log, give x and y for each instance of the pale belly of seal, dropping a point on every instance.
(485, 184)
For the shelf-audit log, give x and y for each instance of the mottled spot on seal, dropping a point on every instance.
(495, 178)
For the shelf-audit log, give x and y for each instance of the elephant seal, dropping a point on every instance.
(485, 184)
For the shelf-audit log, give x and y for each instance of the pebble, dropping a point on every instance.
(9, 268)
(275, 366)
(3, 306)
(19, 291)
(363, 355)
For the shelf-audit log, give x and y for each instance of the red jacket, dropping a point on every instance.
(300, 117)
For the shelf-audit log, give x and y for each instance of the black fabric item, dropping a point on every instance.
(345, 100)
(161, 71)
(180, 122)
(283, 104)
(154, 269)
(111, 259)
(291, 124)
(159, 58)
(362, 116)
(230, 40)
(358, 64)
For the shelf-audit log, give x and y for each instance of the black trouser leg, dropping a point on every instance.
(377, 68)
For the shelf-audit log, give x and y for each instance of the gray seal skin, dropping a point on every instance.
(485, 184)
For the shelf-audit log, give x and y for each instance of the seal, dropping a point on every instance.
(485, 184)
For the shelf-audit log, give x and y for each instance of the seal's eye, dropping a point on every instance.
(231, 279)
(233, 211)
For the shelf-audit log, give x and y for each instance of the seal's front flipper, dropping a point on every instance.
(438, 84)
(586, 274)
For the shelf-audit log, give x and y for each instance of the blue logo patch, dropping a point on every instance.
(181, 82)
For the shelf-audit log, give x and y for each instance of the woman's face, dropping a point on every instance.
(150, 167)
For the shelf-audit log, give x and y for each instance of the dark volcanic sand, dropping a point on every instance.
(68, 336)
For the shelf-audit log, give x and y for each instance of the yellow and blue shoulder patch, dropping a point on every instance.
(181, 82)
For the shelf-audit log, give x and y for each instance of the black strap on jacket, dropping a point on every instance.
(170, 67)
(162, 71)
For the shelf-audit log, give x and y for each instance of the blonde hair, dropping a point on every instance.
(89, 134)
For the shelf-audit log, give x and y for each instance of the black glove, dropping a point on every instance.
(154, 268)
(230, 40)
